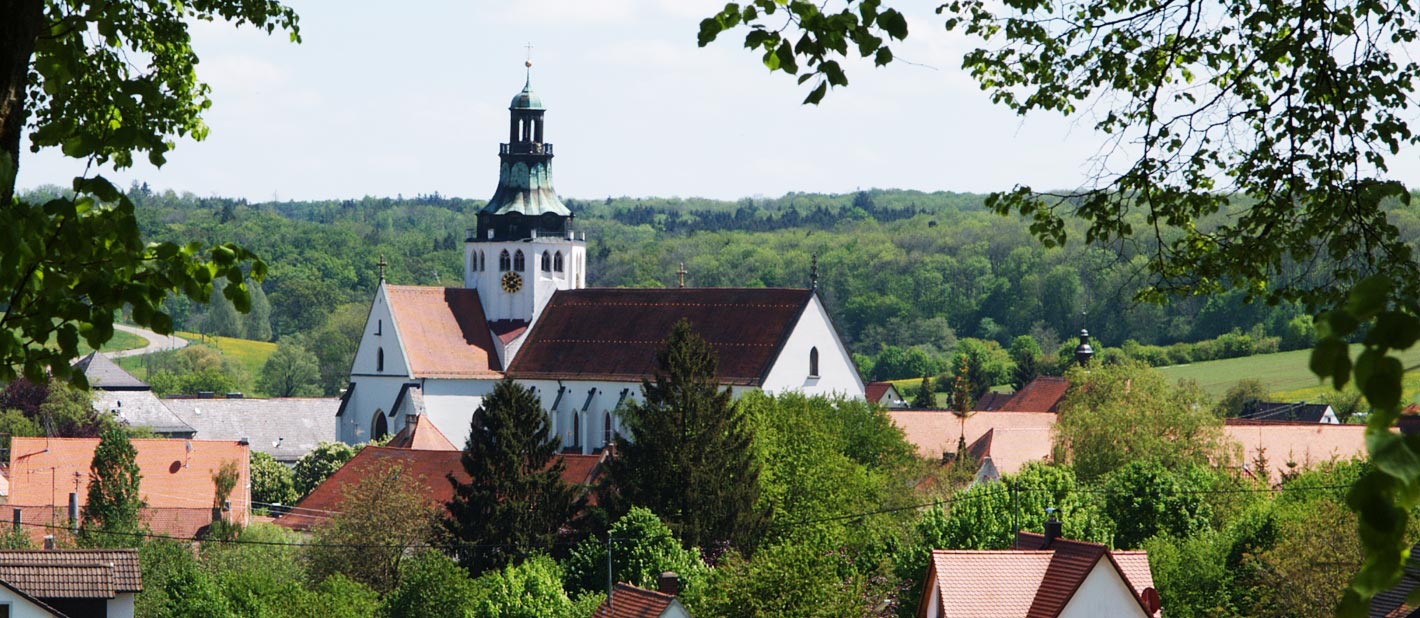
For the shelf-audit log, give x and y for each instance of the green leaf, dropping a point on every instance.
(1328, 356)
(1369, 297)
(1382, 386)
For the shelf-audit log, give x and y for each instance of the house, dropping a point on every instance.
(1299, 411)
(1292, 445)
(525, 312)
(1043, 394)
(1044, 576)
(980, 453)
(432, 467)
(284, 427)
(176, 483)
(129, 399)
(77, 583)
(885, 394)
(628, 601)
(1009, 439)
(991, 400)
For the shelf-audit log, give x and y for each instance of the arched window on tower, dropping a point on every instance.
(380, 359)
(813, 362)
(504, 261)
(546, 262)
(380, 428)
(557, 261)
(519, 263)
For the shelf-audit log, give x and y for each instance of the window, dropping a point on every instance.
(576, 429)
(546, 262)
(504, 262)
(813, 362)
(380, 359)
(519, 264)
(557, 262)
(482, 261)
(606, 429)
(379, 327)
(380, 428)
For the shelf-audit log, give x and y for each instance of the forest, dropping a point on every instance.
(907, 275)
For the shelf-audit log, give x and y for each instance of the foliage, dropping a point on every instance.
(1241, 398)
(1144, 499)
(926, 396)
(257, 323)
(688, 455)
(642, 547)
(68, 411)
(334, 344)
(1307, 569)
(15, 423)
(111, 511)
(515, 503)
(1195, 575)
(432, 586)
(315, 467)
(380, 519)
(224, 480)
(789, 580)
(1117, 414)
(271, 481)
(222, 318)
(531, 589)
(987, 515)
(194, 369)
(291, 371)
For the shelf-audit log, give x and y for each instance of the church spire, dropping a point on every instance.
(525, 205)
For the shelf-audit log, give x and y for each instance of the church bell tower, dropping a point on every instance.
(524, 247)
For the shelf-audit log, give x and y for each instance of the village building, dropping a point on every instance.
(885, 394)
(73, 583)
(525, 312)
(49, 481)
(630, 601)
(1045, 576)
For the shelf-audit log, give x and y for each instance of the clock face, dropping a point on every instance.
(512, 282)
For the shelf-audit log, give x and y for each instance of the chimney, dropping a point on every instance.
(74, 510)
(236, 395)
(206, 394)
(1053, 529)
(49, 541)
(668, 583)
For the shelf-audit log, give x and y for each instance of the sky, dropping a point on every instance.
(383, 100)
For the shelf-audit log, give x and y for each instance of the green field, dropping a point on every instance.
(1284, 374)
(248, 354)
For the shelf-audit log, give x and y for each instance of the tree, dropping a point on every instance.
(1026, 354)
(112, 509)
(926, 394)
(257, 323)
(335, 343)
(15, 423)
(642, 547)
(530, 589)
(380, 519)
(291, 371)
(67, 78)
(315, 467)
(1145, 499)
(515, 503)
(271, 481)
(1241, 398)
(432, 586)
(686, 455)
(222, 318)
(1114, 415)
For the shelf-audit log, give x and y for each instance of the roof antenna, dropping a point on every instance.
(813, 273)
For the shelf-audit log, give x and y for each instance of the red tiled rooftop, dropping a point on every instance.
(1306, 444)
(1042, 394)
(443, 331)
(421, 434)
(432, 467)
(1017, 438)
(614, 334)
(628, 601)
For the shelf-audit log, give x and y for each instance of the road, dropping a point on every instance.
(156, 342)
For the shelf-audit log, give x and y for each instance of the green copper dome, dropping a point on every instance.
(526, 99)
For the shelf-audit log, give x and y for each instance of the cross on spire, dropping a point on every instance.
(682, 274)
(382, 264)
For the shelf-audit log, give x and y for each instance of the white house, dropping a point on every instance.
(525, 312)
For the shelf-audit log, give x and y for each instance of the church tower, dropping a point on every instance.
(524, 247)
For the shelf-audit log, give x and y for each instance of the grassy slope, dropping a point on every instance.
(1284, 374)
(250, 355)
(120, 341)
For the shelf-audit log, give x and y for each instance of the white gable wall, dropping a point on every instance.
(375, 390)
(21, 607)
(1103, 593)
(836, 373)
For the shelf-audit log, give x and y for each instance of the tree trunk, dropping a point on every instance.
(20, 23)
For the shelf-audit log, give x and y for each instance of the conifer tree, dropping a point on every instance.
(515, 503)
(113, 504)
(926, 394)
(688, 455)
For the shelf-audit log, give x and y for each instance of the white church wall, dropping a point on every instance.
(381, 333)
(538, 286)
(450, 405)
(836, 373)
(371, 393)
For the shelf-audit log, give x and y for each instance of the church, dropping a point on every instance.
(525, 312)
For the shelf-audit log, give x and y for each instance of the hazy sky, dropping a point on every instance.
(383, 99)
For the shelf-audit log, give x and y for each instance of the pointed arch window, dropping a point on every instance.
(380, 359)
(519, 262)
(557, 261)
(546, 262)
(813, 362)
(577, 429)
(607, 433)
(505, 262)
(482, 260)
(380, 428)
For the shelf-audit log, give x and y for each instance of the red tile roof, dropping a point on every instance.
(1042, 394)
(420, 433)
(176, 478)
(72, 573)
(444, 332)
(1305, 444)
(432, 467)
(628, 601)
(874, 391)
(1026, 581)
(992, 401)
(1017, 438)
(613, 334)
